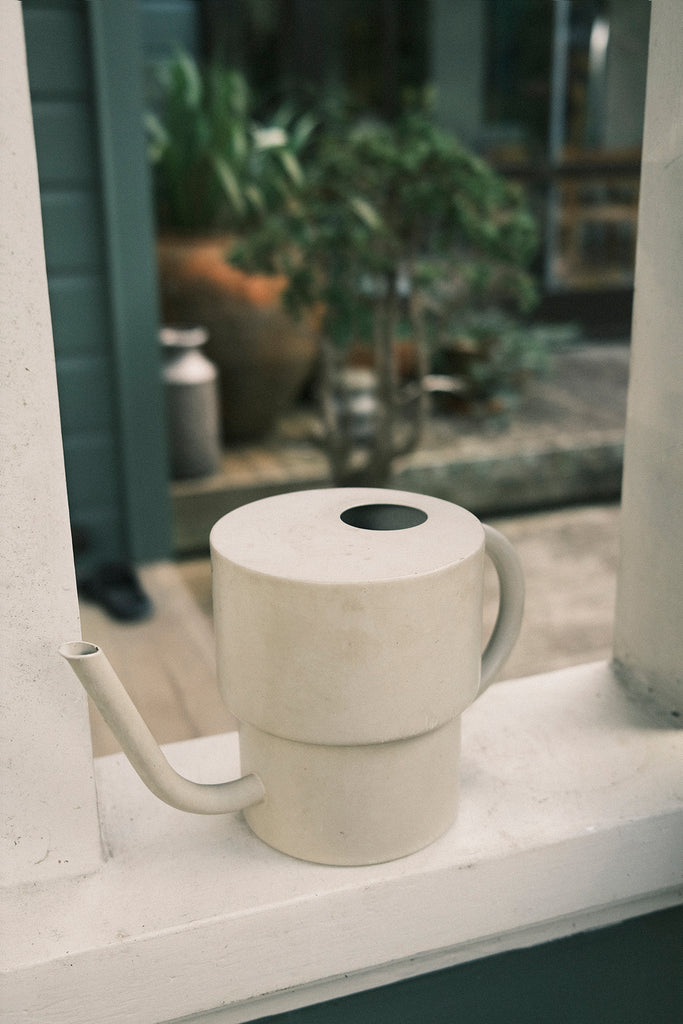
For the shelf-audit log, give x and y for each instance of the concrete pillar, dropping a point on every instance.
(648, 642)
(458, 66)
(50, 824)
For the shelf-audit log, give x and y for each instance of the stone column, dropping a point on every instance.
(50, 824)
(648, 643)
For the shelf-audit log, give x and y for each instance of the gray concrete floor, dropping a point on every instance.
(570, 561)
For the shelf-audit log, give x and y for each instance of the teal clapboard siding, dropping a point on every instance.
(627, 974)
(59, 61)
(82, 59)
(167, 24)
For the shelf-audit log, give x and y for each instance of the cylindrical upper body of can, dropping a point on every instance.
(348, 615)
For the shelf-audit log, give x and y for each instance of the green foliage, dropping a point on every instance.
(215, 167)
(493, 354)
(392, 212)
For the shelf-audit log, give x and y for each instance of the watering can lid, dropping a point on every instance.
(347, 535)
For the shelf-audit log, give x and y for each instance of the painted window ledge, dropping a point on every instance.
(571, 818)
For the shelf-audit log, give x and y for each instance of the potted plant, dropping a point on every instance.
(216, 170)
(398, 227)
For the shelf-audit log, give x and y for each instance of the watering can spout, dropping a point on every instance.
(108, 693)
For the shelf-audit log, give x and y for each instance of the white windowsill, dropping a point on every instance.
(571, 817)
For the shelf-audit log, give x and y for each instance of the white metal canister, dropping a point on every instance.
(192, 403)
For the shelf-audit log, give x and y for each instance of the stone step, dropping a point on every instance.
(562, 445)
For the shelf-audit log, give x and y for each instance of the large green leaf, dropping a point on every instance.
(229, 183)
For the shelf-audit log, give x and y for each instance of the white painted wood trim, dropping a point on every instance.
(648, 642)
(571, 817)
(50, 825)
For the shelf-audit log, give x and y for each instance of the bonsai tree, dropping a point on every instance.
(397, 227)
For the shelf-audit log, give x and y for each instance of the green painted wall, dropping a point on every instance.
(167, 24)
(87, 106)
(627, 974)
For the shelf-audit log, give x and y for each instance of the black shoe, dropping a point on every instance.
(115, 587)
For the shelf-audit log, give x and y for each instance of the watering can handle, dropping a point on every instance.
(510, 607)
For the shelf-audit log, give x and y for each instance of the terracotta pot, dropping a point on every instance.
(405, 355)
(264, 357)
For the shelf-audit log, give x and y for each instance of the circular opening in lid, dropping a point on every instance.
(383, 517)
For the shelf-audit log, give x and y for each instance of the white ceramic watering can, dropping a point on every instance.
(348, 628)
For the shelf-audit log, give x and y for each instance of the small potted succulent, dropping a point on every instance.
(216, 171)
(397, 228)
